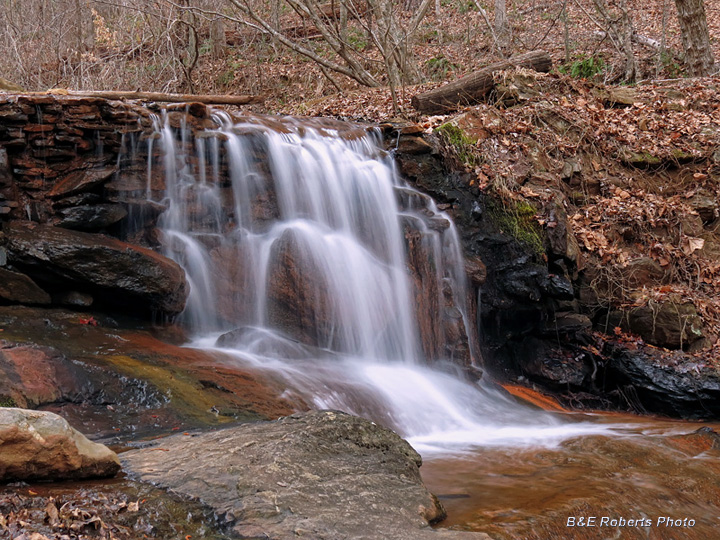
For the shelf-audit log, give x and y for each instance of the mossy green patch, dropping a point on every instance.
(517, 219)
(188, 397)
(461, 143)
(7, 401)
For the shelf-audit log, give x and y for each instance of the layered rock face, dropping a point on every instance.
(38, 445)
(67, 213)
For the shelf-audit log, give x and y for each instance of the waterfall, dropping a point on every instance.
(310, 259)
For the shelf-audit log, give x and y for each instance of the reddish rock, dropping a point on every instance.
(426, 295)
(31, 376)
(297, 300)
(476, 270)
(82, 180)
(38, 128)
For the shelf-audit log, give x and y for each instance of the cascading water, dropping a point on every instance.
(310, 259)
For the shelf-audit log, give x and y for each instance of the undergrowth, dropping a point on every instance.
(585, 67)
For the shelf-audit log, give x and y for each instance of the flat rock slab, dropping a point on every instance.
(36, 445)
(321, 475)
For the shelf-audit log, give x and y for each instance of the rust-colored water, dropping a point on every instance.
(658, 470)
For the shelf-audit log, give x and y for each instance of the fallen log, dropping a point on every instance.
(157, 96)
(473, 87)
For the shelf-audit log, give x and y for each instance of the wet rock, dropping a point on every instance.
(16, 287)
(426, 296)
(82, 180)
(32, 376)
(558, 287)
(652, 386)
(125, 275)
(323, 475)
(113, 381)
(413, 145)
(569, 323)
(91, 217)
(77, 200)
(298, 302)
(476, 270)
(37, 445)
(667, 324)
(5, 175)
(559, 373)
(260, 341)
(697, 442)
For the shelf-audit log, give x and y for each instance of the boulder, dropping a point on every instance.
(16, 287)
(320, 475)
(124, 275)
(690, 392)
(410, 144)
(37, 445)
(668, 324)
(705, 204)
(32, 376)
(297, 302)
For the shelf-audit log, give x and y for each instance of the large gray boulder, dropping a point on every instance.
(321, 475)
(122, 274)
(37, 445)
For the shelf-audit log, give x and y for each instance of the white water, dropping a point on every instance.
(336, 204)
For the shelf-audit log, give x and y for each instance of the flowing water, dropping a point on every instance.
(311, 260)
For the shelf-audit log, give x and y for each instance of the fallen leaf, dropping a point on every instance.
(690, 244)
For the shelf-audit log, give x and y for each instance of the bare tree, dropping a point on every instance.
(502, 25)
(378, 20)
(616, 25)
(695, 37)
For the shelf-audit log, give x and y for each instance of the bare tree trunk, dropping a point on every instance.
(502, 26)
(620, 30)
(695, 36)
(566, 32)
(217, 38)
(627, 33)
